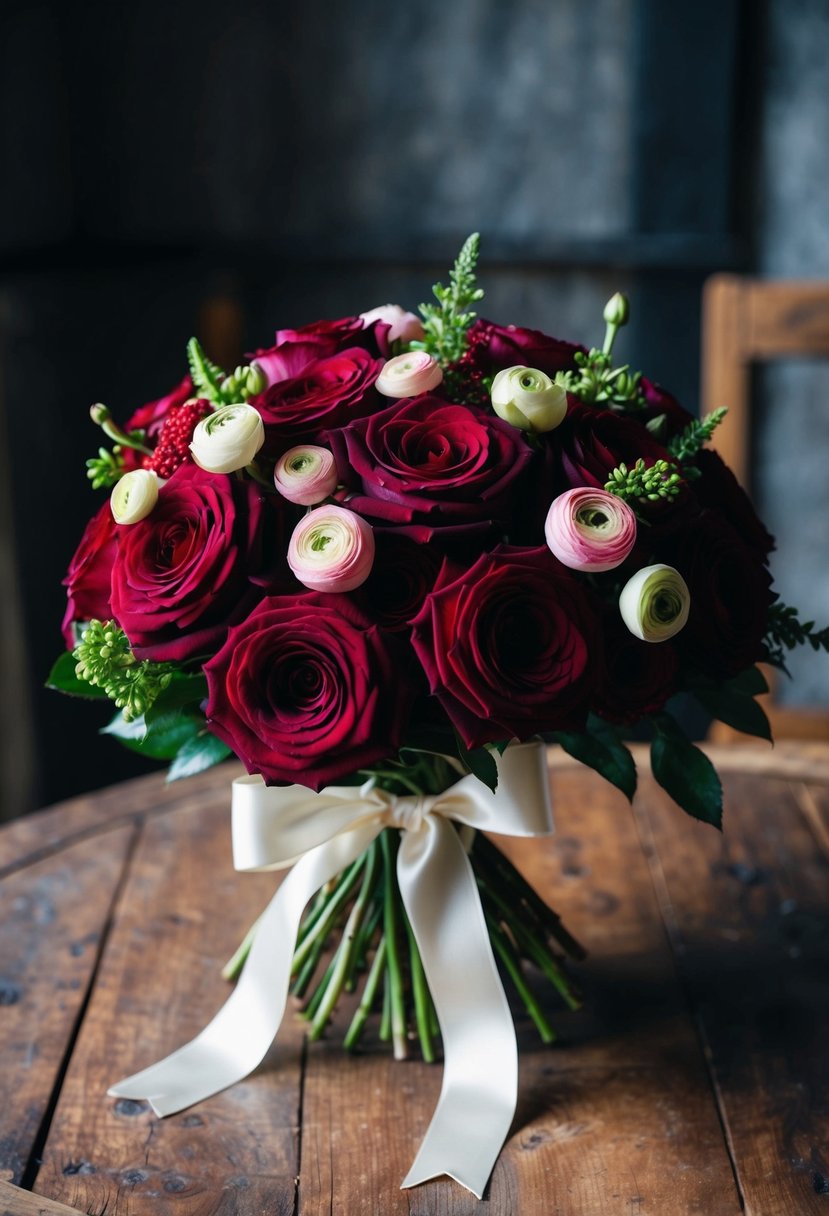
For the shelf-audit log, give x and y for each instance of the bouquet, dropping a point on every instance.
(378, 563)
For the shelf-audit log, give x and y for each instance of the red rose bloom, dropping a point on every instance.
(150, 418)
(307, 690)
(326, 392)
(424, 461)
(403, 574)
(719, 489)
(659, 402)
(634, 678)
(507, 646)
(88, 578)
(192, 567)
(590, 443)
(493, 347)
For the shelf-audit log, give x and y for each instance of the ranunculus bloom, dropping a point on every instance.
(633, 679)
(495, 346)
(184, 573)
(88, 580)
(403, 326)
(307, 689)
(409, 375)
(590, 529)
(655, 602)
(133, 496)
(328, 392)
(228, 439)
(306, 475)
(731, 594)
(528, 398)
(331, 550)
(425, 461)
(506, 645)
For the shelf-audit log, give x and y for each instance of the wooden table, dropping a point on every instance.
(694, 1081)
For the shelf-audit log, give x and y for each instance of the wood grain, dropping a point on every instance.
(747, 917)
(182, 912)
(53, 918)
(617, 1117)
(15, 1202)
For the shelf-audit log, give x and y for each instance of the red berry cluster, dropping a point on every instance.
(464, 379)
(173, 447)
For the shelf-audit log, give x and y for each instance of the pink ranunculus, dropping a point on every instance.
(306, 475)
(194, 566)
(308, 689)
(590, 530)
(403, 326)
(409, 375)
(331, 550)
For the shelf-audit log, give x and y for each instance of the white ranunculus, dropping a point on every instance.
(654, 603)
(228, 439)
(133, 496)
(528, 399)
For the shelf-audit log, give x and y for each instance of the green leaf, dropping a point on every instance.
(600, 748)
(685, 772)
(182, 690)
(735, 709)
(750, 682)
(162, 739)
(481, 762)
(62, 677)
(198, 753)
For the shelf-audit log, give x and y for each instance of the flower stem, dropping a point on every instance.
(391, 896)
(233, 967)
(509, 957)
(385, 1019)
(332, 910)
(375, 975)
(422, 999)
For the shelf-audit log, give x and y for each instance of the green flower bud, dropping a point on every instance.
(528, 399)
(617, 310)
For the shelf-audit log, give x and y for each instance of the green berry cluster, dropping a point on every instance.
(105, 659)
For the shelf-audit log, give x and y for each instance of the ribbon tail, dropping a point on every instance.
(238, 1037)
(480, 1080)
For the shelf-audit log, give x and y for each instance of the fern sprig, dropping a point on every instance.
(207, 376)
(446, 323)
(696, 434)
(785, 630)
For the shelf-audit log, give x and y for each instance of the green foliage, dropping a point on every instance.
(196, 754)
(597, 382)
(685, 772)
(160, 739)
(696, 434)
(643, 485)
(207, 377)
(105, 660)
(732, 701)
(446, 323)
(105, 469)
(601, 749)
(785, 631)
(480, 761)
(63, 679)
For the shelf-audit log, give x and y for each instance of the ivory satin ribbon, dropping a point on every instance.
(319, 835)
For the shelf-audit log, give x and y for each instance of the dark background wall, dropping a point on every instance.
(308, 161)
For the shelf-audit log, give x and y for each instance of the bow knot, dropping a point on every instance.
(408, 811)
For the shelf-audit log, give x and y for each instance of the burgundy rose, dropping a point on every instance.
(150, 418)
(719, 489)
(493, 347)
(634, 678)
(591, 443)
(403, 574)
(424, 461)
(326, 392)
(295, 349)
(88, 578)
(508, 646)
(307, 689)
(660, 403)
(193, 566)
(730, 588)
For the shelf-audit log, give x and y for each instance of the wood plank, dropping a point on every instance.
(37, 835)
(52, 919)
(725, 368)
(618, 1117)
(181, 913)
(14, 1202)
(747, 915)
(813, 801)
(787, 317)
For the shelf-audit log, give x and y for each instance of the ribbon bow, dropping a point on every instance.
(319, 835)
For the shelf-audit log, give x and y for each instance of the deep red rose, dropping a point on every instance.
(193, 566)
(328, 392)
(633, 678)
(88, 578)
(591, 443)
(295, 349)
(719, 489)
(307, 689)
(508, 645)
(730, 589)
(494, 347)
(150, 418)
(426, 461)
(659, 402)
(403, 574)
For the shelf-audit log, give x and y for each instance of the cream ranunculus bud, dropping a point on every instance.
(134, 496)
(528, 399)
(409, 375)
(228, 439)
(654, 603)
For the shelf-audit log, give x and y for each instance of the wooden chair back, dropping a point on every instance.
(746, 321)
